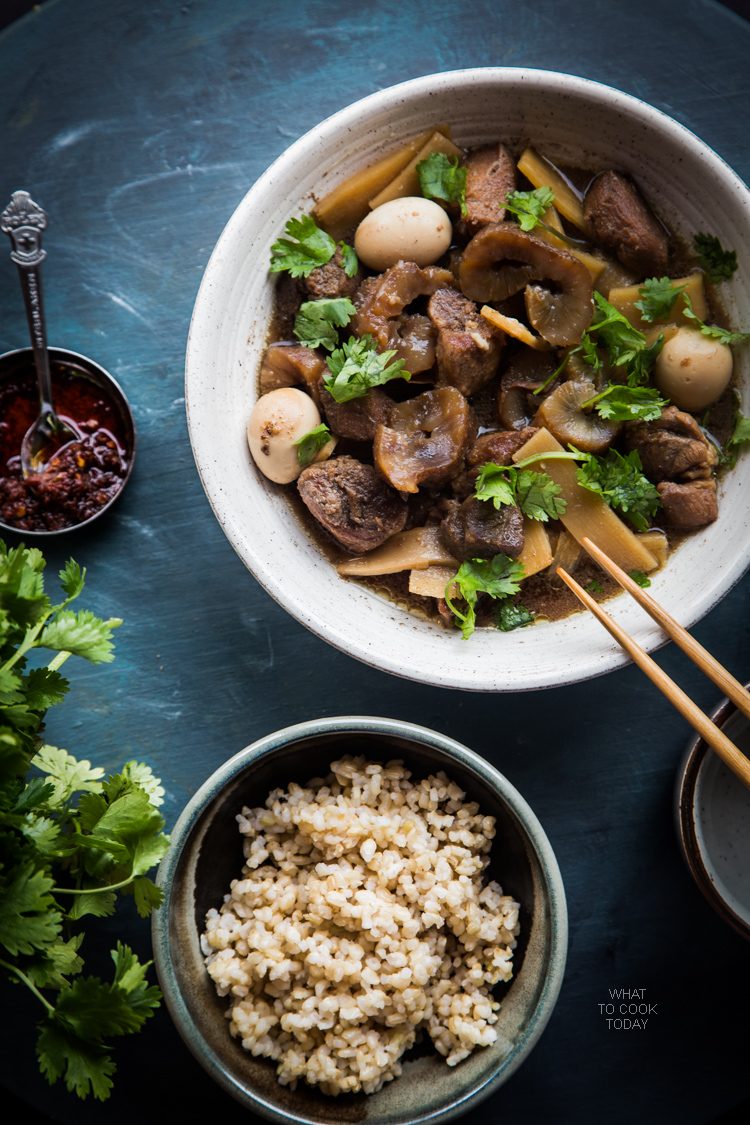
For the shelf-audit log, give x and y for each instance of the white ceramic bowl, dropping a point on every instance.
(574, 121)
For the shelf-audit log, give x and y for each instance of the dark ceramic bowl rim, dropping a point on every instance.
(684, 814)
(472, 762)
(65, 355)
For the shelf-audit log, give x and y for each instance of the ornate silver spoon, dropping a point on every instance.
(23, 221)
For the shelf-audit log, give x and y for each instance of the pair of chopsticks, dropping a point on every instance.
(734, 690)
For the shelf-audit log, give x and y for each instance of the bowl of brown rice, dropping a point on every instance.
(363, 919)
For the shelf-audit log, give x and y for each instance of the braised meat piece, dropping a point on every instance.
(477, 529)
(359, 418)
(331, 280)
(467, 350)
(292, 365)
(672, 447)
(527, 371)
(289, 295)
(352, 503)
(689, 505)
(621, 222)
(498, 447)
(490, 176)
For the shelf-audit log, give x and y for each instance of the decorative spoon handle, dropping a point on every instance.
(23, 221)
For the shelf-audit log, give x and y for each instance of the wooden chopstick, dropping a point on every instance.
(732, 688)
(715, 738)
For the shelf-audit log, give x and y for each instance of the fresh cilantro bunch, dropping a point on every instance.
(306, 248)
(311, 443)
(499, 577)
(536, 494)
(357, 366)
(529, 206)
(317, 323)
(658, 296)
(61, 860)
(441, 177)
(719, 264)
(619, 478)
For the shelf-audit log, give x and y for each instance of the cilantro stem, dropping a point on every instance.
(91, 890)
(29, 984)
(27, 643)
(58, 660)
(561, 456)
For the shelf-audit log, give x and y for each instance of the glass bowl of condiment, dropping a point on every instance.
(83, 478)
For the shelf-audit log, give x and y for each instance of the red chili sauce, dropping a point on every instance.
(82, 476)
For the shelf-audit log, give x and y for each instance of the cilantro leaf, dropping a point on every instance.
(28, 918)
(99, 904)
(512, 616)
(499, 577)
(440, 177)
(639, 577)
(723, 335)
(349, 260)
(536, 494)
(620, 480)
(68, 775)
(658, 296)
(357, 366)
(529, 206)
(72, 579)
(719, 264)
(594, 587)
(44, 688)
(317, 321)
(144, 777)
(740, 436)
(86, 1067)
(310, 443)
(311, 248)
(81, 633)
(624, 404)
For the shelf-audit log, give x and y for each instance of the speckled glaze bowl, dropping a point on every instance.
(712, 818)
(575, 122)
(206, 854)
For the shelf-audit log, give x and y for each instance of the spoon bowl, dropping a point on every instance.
(82, 372)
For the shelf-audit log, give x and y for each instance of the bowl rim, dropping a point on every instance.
(529, 825)
(695, 755)
(369, 649)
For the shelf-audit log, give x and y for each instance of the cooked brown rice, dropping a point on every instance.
(360, 917)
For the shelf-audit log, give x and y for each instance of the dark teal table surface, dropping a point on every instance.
(139, 125)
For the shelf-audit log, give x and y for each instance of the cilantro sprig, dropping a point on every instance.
(719, 264)
(620, 480)
(306, 248)
(618, 403)
(529, 206)
(357, 366)
(317, 323)
(69, 839)
(723, 335)
(536, 494)
(499, 577)
(740, 436)
(658, 296)
(311, 443)
(441, 177)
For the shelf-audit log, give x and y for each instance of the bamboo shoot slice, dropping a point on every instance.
(406, 550)
(431, 583)
(552, 219)
(657, 543)
(588, 514)
(567, 555)
(346, 206)
(536, 553)
(406, 182)
(514, 328)
(624, 299)
(543, 174)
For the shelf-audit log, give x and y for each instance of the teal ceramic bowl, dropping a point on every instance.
(206, 854)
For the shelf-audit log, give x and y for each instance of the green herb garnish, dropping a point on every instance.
(357, 366)
(594, 587)
(625, 346)
(441, 177)
(740, 436)
(310, 443)
(512, 616)
(499, 577)
(723, 335)
(718, 263)
(317, 323)
(529, 206)
(620, 480)
(306, 248)
(640, 578)
(536, 494)
(627, 404)
(658, 297)
(61, 860)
